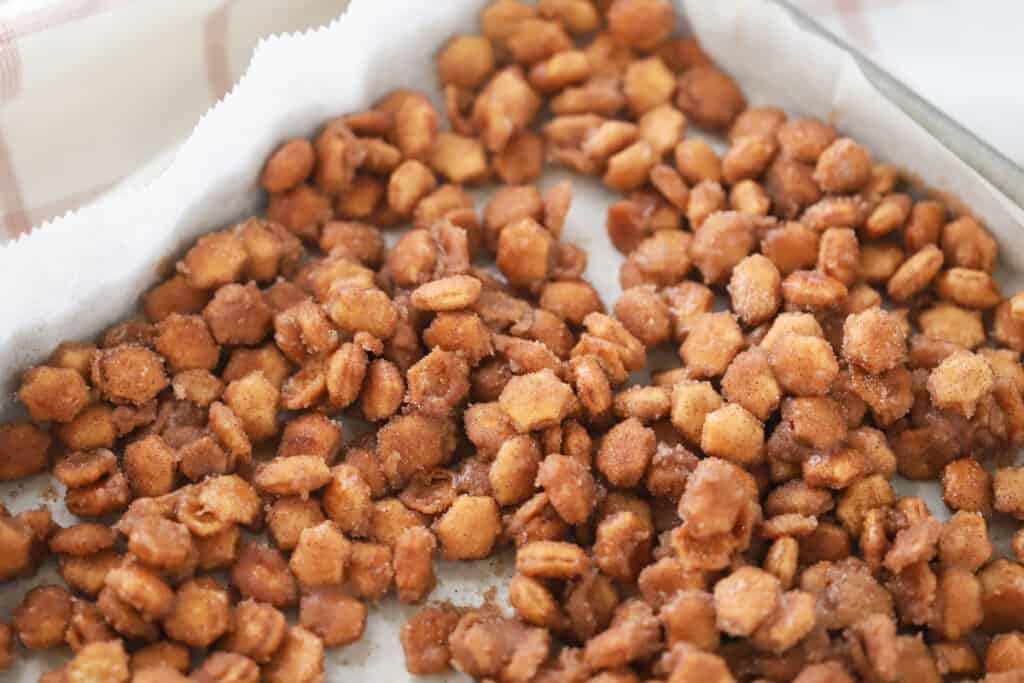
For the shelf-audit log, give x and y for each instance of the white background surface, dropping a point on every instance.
(965, 56)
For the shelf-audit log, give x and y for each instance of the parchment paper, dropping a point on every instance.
(75, 276)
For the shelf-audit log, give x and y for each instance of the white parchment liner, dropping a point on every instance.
(71, 278)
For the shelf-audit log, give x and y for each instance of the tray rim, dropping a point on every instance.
(995, 167)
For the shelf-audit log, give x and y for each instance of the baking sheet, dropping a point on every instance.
(74, 276)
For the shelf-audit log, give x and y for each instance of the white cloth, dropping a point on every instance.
(93, 91)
